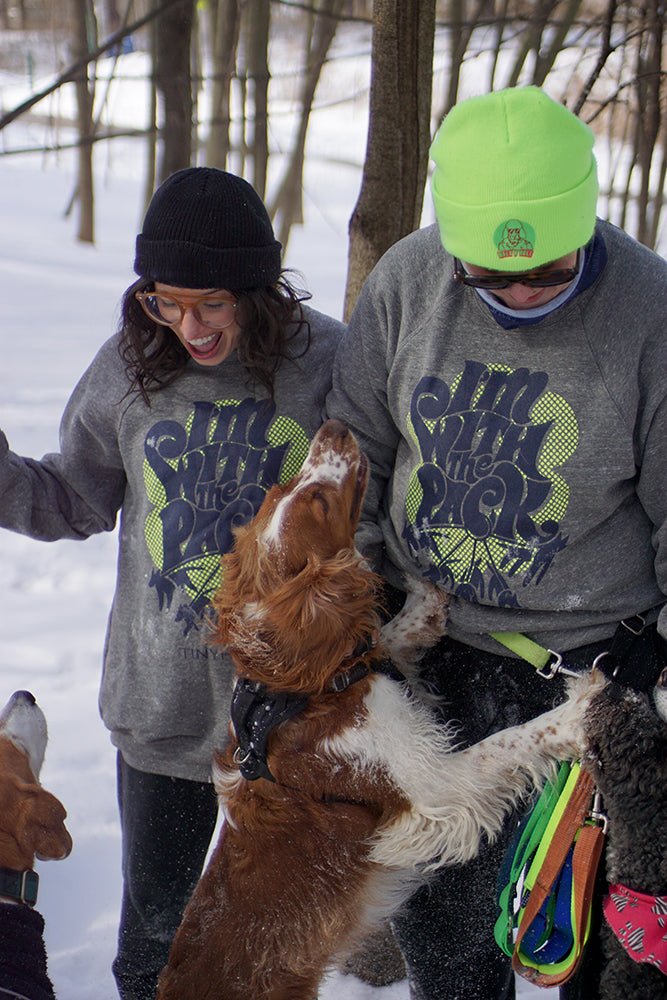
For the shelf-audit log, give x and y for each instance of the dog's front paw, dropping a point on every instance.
(572, 722)
(420, 623)
(422, 592)
(584, 687)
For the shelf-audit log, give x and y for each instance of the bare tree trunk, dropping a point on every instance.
(257, 30)
(498, 33)
(287, 205)
(227, 27)
(649, 81)
(152, 137)
(174, 86)
(605, 50)
(541, 15)
(392, 188)
(545, 57)
(462, 25)
(83, 41)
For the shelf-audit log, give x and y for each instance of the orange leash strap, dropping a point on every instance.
(587, 853)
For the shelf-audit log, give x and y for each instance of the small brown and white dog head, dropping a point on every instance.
(31, 819)
(294, 589)
(315, 515)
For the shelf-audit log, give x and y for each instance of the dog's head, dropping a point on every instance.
(295, 596)
(31, 819)
(315, 515)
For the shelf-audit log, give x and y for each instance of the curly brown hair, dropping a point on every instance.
(269, 319)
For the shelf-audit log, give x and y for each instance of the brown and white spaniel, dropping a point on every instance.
(340, 792)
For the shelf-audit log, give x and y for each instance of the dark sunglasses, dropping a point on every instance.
(544, 279)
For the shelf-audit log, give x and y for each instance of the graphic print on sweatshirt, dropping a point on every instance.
(484, 507)
(203, 478)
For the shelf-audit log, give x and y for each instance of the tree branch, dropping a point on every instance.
(75, 69)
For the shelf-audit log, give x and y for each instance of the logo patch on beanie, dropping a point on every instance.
(514, 238)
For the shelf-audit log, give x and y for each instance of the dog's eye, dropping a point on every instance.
(321, 499)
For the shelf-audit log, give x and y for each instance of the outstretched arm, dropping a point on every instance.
(78, 491)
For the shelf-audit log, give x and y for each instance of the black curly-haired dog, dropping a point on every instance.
(626, 734)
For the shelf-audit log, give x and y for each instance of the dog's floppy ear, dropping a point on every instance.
(41, 829)
(312, 622)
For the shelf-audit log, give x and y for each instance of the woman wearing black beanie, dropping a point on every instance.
(208, 395)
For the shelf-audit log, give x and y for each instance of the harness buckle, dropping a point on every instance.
(638, 620)
(601, 656)
(241, 758)
(29, 884)
(340, 682)
(596, 815)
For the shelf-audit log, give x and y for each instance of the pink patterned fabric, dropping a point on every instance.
(640, 924)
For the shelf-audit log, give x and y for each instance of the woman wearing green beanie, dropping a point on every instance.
(504, 370)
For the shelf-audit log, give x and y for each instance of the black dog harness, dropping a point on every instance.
(255, 714)
(256, 711)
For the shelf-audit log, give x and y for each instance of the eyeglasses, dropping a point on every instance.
(539, 279)
(213, 310)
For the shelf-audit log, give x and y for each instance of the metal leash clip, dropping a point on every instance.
(596, 815)
(555, 665)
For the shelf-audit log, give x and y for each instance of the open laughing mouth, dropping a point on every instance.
(204, 347)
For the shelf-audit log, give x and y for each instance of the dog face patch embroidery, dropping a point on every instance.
(514, 238)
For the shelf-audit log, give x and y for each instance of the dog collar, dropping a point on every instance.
(21, 886)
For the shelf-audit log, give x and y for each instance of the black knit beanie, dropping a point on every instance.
(206, 228)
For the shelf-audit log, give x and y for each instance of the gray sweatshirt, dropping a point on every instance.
(182, 473)
(524, 471)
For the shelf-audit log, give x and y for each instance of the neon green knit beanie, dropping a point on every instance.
(515, 180)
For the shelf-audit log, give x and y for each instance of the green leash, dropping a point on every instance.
(547, 662)
(524, 854)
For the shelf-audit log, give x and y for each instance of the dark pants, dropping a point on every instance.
(445, 931)
(166, 825)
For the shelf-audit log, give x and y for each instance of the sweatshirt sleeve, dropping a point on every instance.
(652, 493)
(359, 399)
(78, 491)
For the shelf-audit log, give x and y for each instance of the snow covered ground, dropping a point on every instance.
(58, 303)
